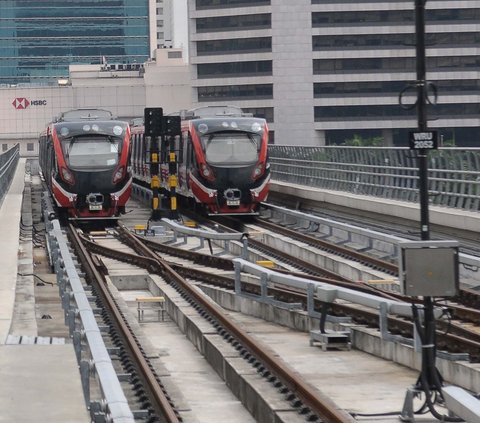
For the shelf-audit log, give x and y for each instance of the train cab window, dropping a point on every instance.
(225, 148)
(92, 152)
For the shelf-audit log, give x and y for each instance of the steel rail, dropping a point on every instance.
(159, 400)
(331, 247)
(460, 340)
(319, 404)
(457, 311)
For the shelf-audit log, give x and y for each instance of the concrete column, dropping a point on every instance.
(292, 72)
(387, 135)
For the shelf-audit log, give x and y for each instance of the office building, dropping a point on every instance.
(326, 71)
(125, 90)
(40, 39)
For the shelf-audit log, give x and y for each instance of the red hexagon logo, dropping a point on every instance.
(20, 103)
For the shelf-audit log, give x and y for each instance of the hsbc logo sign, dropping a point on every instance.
(21, 103)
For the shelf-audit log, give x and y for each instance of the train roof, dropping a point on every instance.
(84, 114)
(214, 111)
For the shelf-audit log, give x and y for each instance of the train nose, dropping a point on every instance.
(232, 196)
(95, 198)
(95, 201)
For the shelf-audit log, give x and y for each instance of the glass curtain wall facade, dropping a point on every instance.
(337, 67)
(40, 39)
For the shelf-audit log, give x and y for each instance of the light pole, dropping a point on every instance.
(429, 381)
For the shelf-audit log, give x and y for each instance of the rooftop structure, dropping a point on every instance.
(325, 71)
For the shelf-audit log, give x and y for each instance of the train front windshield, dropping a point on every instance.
(231, 148)
(92, 152)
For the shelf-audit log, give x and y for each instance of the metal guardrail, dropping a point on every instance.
(326, 293)
(463, 404)
(383, 244)
(8, 165)
(223, 239)
(94, 361)
(454, 173)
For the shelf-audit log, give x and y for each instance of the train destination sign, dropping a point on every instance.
(426, 140)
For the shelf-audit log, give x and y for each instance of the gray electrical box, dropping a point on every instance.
(428, 268)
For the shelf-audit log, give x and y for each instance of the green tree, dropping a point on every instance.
(359, 141)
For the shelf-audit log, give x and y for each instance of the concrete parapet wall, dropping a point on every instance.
(262, 400)
(443, 216)
(461, 373)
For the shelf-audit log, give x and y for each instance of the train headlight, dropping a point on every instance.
(118, 175)
(67, 176)
(258, 171)
(117, 130)
(256, 127)
(203, 128)
(207, 172)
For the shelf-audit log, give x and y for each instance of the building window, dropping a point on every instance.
(30, 146)
(392, 64)
(234, 23)
(355, 89)
(271, 137)
(362, 17)
(174, 54)
(377, 112)
(235, 92)
(234, 46)
(4, 147)
(216, 4)
(231, 69)
(321, 42)
(261, 112)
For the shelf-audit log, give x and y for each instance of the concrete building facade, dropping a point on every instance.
(326, 71)
(163, 81)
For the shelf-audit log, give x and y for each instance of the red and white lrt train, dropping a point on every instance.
(222, 159)
(84, 158)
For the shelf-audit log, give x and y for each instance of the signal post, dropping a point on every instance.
(162, 131)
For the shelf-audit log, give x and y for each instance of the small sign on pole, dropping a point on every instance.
(423, 140)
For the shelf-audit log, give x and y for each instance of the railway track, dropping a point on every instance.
(308, 400)
(460, 333)
(454, 336)
(180, 270)
(161, 407)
